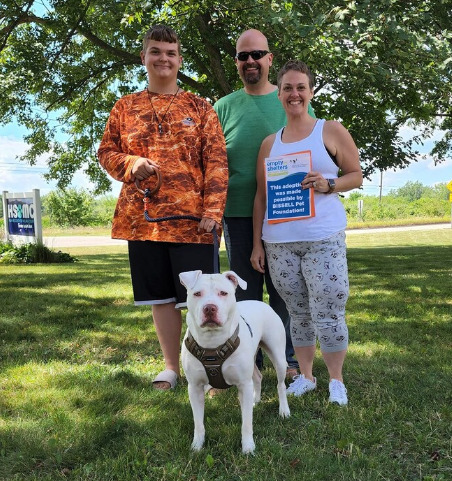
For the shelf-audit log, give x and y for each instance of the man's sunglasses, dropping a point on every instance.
(255, 55)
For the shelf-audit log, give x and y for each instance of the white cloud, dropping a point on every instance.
(16, 176)
(408, 132)
(10, 148)
(446, 164)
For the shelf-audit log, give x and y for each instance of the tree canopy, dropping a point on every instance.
(412, 191)
(379, 65)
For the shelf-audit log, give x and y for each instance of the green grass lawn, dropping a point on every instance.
(77, 360)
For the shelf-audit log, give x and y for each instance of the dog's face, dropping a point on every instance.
(211, 297)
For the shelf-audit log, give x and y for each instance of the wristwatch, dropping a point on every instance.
(332, 185)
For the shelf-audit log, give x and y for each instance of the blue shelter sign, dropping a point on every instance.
(21, 217)
(22, 213)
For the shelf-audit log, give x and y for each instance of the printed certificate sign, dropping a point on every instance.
(286, 200)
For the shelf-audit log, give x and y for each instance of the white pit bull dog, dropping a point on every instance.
(221, 328)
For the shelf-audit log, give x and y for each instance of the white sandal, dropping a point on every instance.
(169, 376)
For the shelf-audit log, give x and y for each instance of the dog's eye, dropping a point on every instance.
(197, 294)
(223, 293)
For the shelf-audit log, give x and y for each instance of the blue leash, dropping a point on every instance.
(147, 195)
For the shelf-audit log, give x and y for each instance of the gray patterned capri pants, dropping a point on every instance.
(312, 278)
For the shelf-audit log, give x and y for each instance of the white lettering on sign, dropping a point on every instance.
(21, 211)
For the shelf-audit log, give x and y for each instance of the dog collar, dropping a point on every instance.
(213, 359)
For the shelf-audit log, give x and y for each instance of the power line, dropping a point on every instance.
(23, 169)
(5, 167)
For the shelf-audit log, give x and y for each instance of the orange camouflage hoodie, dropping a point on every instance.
(190, 154)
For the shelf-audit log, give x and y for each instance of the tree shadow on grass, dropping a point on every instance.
(95, 412)
(80, 312)
(47, 309)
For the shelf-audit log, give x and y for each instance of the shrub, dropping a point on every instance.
(103, 210)
(391, 208)
(69, 208)
(429, 207)
(31, 253)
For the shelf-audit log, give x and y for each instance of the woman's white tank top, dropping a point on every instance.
(330, 215)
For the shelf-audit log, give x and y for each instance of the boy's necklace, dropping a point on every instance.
(164, 115)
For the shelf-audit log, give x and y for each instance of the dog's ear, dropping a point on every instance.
(188, 279)
(235, 279)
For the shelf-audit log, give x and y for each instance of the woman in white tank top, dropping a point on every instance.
(306, 256)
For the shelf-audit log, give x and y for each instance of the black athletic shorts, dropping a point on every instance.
(155, 268)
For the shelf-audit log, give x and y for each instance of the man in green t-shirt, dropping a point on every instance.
(247, 116)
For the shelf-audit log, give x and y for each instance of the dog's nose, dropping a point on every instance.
(210, 309)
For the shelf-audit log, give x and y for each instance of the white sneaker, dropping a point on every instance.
(301, 385)
(338, 392)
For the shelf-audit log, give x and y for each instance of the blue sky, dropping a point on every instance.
(16, 176)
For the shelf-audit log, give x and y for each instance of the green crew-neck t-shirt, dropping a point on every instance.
(246, 121)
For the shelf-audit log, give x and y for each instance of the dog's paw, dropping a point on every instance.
(248, 447)
(197, 444)
(284, 412)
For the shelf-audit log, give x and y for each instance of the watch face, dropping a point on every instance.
(332, 184)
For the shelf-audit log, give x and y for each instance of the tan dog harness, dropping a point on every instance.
(213, 359)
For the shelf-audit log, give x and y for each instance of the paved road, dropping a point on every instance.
(400, 228)
(90, 241)
(81, 241)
